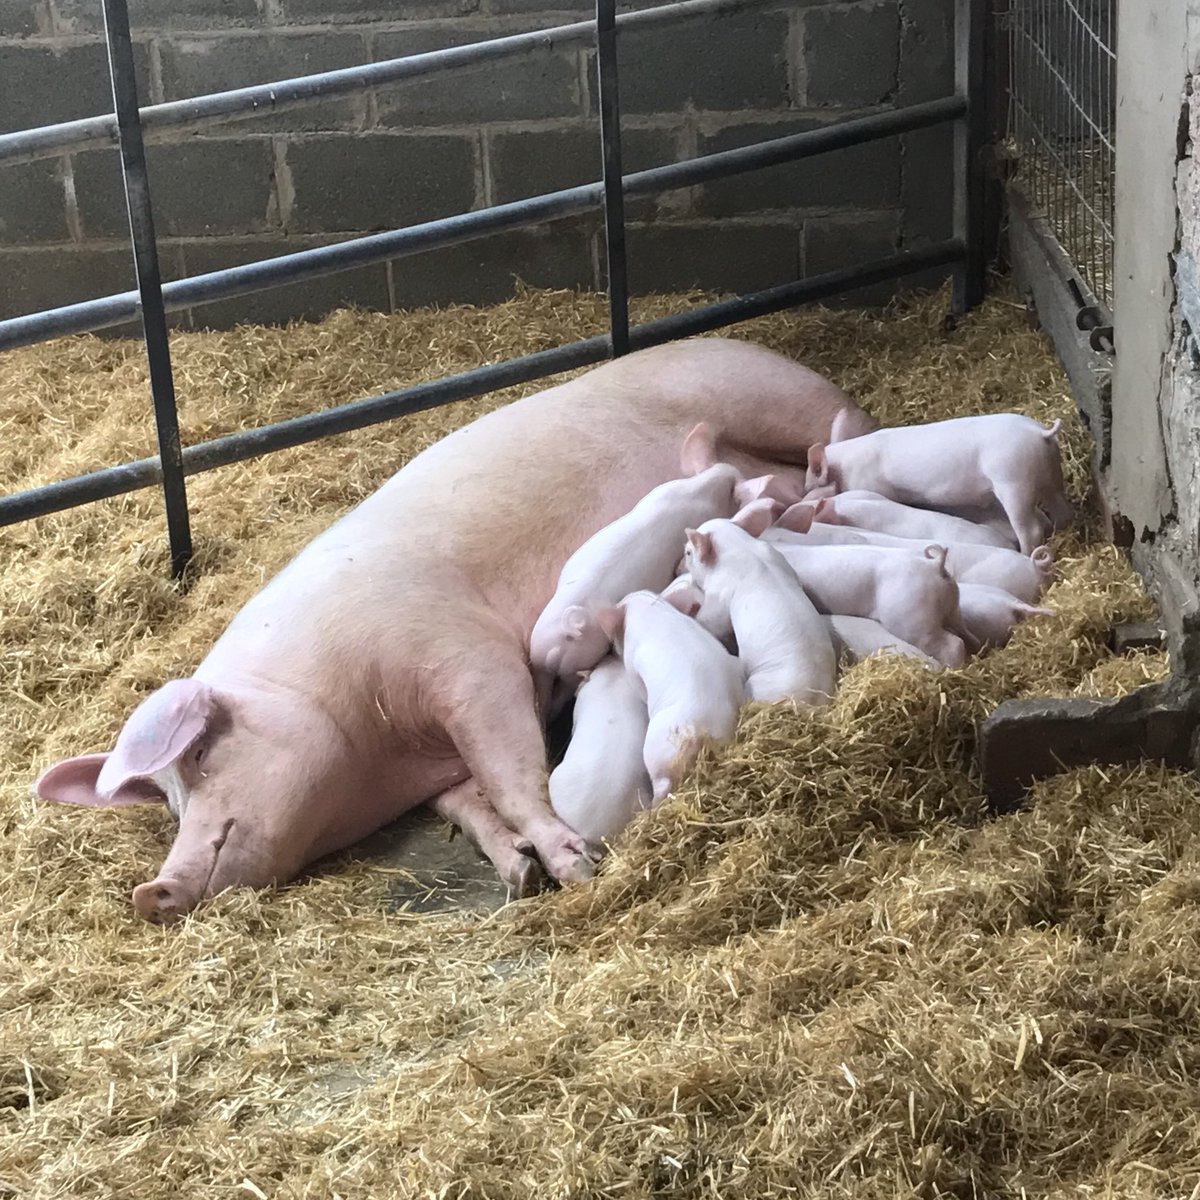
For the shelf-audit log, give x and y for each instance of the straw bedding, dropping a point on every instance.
(820, 971)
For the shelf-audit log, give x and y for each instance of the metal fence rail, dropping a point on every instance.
(152, 300)
(1062, 116)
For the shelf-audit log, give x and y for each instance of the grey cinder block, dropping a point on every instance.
(41, 85)
(198, 187)
(852, 55)
(311, 299)
(538, 84)
(485, 271)
(727, 63)
(32, 202)
(866, 176)
(380, 181)
(726, 256)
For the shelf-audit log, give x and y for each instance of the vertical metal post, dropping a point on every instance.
(970, 139)
(614, 197)
(149, 280)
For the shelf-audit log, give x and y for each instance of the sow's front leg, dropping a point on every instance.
(484, 700)
(509, 853)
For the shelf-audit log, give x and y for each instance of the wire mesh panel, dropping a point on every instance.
(1062, 112)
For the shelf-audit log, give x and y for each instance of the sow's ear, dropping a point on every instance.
(73, 781)
(158, 733)
(699, 450)
(702, 544)
(758, 516)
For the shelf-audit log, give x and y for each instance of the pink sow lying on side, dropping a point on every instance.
(387, 664)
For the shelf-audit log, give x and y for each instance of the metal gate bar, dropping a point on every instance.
(149, 280)
(971, 136)
(286, 94)
(614, 197)
(250, 443)
(964, 250)
(452, 231)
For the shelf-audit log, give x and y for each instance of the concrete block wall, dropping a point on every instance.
(263, 186)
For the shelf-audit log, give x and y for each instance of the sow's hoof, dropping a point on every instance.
(526, 876)
(573, 861)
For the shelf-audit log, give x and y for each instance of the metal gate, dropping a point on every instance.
(129, 126)
(1061, 120)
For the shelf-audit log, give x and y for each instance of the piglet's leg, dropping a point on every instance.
(510, 854)
(488, 709)
(1018, 498)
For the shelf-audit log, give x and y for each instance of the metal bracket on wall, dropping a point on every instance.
(1092, 319)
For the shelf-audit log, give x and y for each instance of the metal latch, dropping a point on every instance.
(1093, 319)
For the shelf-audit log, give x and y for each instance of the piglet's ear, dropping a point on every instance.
(799, 518)
(767, 487)
(699, 450)
(684, 595)
(159, 731)
(702, 544)
(758, 516)
(612, 620)
(575, 622)
(818, 464)
(73, 781)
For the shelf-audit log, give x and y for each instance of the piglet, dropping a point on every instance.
(869, 510)
(967, 461)
(911, 595)
(601, 781)
(860, 637)
(1026, 576)
(638, 550)
(693, 685)
(991, 613)
(684, 594)
(782, 642)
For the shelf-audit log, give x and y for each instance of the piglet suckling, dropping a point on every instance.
(968, 461)
(685, 595)
(784, 645)
(860, 637)
(1026, 576)
(637, 551)
(693, 685)
(869, 510)
(911, 595)
(602, 780)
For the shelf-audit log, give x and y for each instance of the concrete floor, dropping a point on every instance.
(442, 872)
(446, 872)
